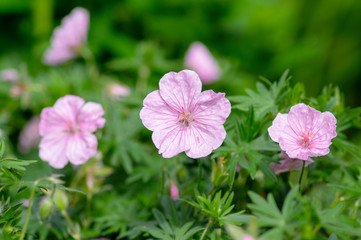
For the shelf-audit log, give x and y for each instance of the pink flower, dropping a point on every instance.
(183, 118)
(304, 132)
(289, 164)
(200, 59)
(29, 137)
(174, 192)
(248, 237)
(68, 38)
(116, 90)
(9, 75)
(66, 131)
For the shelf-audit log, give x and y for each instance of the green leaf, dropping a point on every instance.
(2, 148)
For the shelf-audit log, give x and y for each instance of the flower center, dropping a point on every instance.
(306, 139)
(71, 128)
(185, 118)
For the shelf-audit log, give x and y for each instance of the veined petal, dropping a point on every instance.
(203, 139)
(303, 118)
(171, 140)
(53, 147)
(81, 147)
(90, 117)
(156, 114)
(180, 90)
(68, 107)
(211, 108)
(51, 122)
(281, 129)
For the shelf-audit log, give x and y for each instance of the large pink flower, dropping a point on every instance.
(68, 38)
(289, 164)
(66, 131)
(183, 118)
(304, 132)
(200, 59)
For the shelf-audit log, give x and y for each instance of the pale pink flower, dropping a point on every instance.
(289, 164)
(66, 131)
(248, 237)
(183, 118)
(200, 59)
(9, 75)
(116, 90)
(68, 38)
(29, 136)
(304, 132)
(174, 192)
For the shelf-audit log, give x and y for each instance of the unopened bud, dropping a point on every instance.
(60, 200)
(46, 209)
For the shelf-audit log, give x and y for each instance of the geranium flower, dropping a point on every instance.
(117, 91)
(66, 131)
(9, 75)
(183, 118)
(289, 164)
(200, 59)
(68, 38)
(29, 136)
(304, 132)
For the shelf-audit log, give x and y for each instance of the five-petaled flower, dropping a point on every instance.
(68, 38)
(66, 131)
(200, 59)
(184, 119)
(304, 132)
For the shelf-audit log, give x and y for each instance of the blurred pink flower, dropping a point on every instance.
(289, 164)
(29, 136)
(174, 192)
(68, 38)
(66, 131)
(183, 118)
(248, 237)
(9, 75)
(116, 90)
(304, 132)
(200, 59)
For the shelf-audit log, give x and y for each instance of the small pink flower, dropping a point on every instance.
(116, 90)
(68, 38)
(183, 118)
(66, 131)
(9, 75)
(200, 59)
(248, 237)
(174, 192)
(29, 137)
(289, 164)
(304, 132)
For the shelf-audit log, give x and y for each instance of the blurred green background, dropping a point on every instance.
(319, 41)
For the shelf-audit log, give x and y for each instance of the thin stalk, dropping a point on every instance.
(31, 200)
(206, 229)
(73, 229)
(200, 174)
(300, 179)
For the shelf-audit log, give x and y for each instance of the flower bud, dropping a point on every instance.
(60, 200)
(46, 209)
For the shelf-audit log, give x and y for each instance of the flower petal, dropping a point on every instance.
(156, 114)
(90, 117)
(180, 90)
(211, 108)
(203, 139)
(52, 149)
(68, 107)
(303, 118)
(81, 147)
(170, 140)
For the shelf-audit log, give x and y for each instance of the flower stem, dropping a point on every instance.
(200, 174)
(73, 229)
(206, 229)
(300, 179)
(31, 200)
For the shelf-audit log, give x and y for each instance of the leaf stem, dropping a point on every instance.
(200, 174)
(73, 229)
